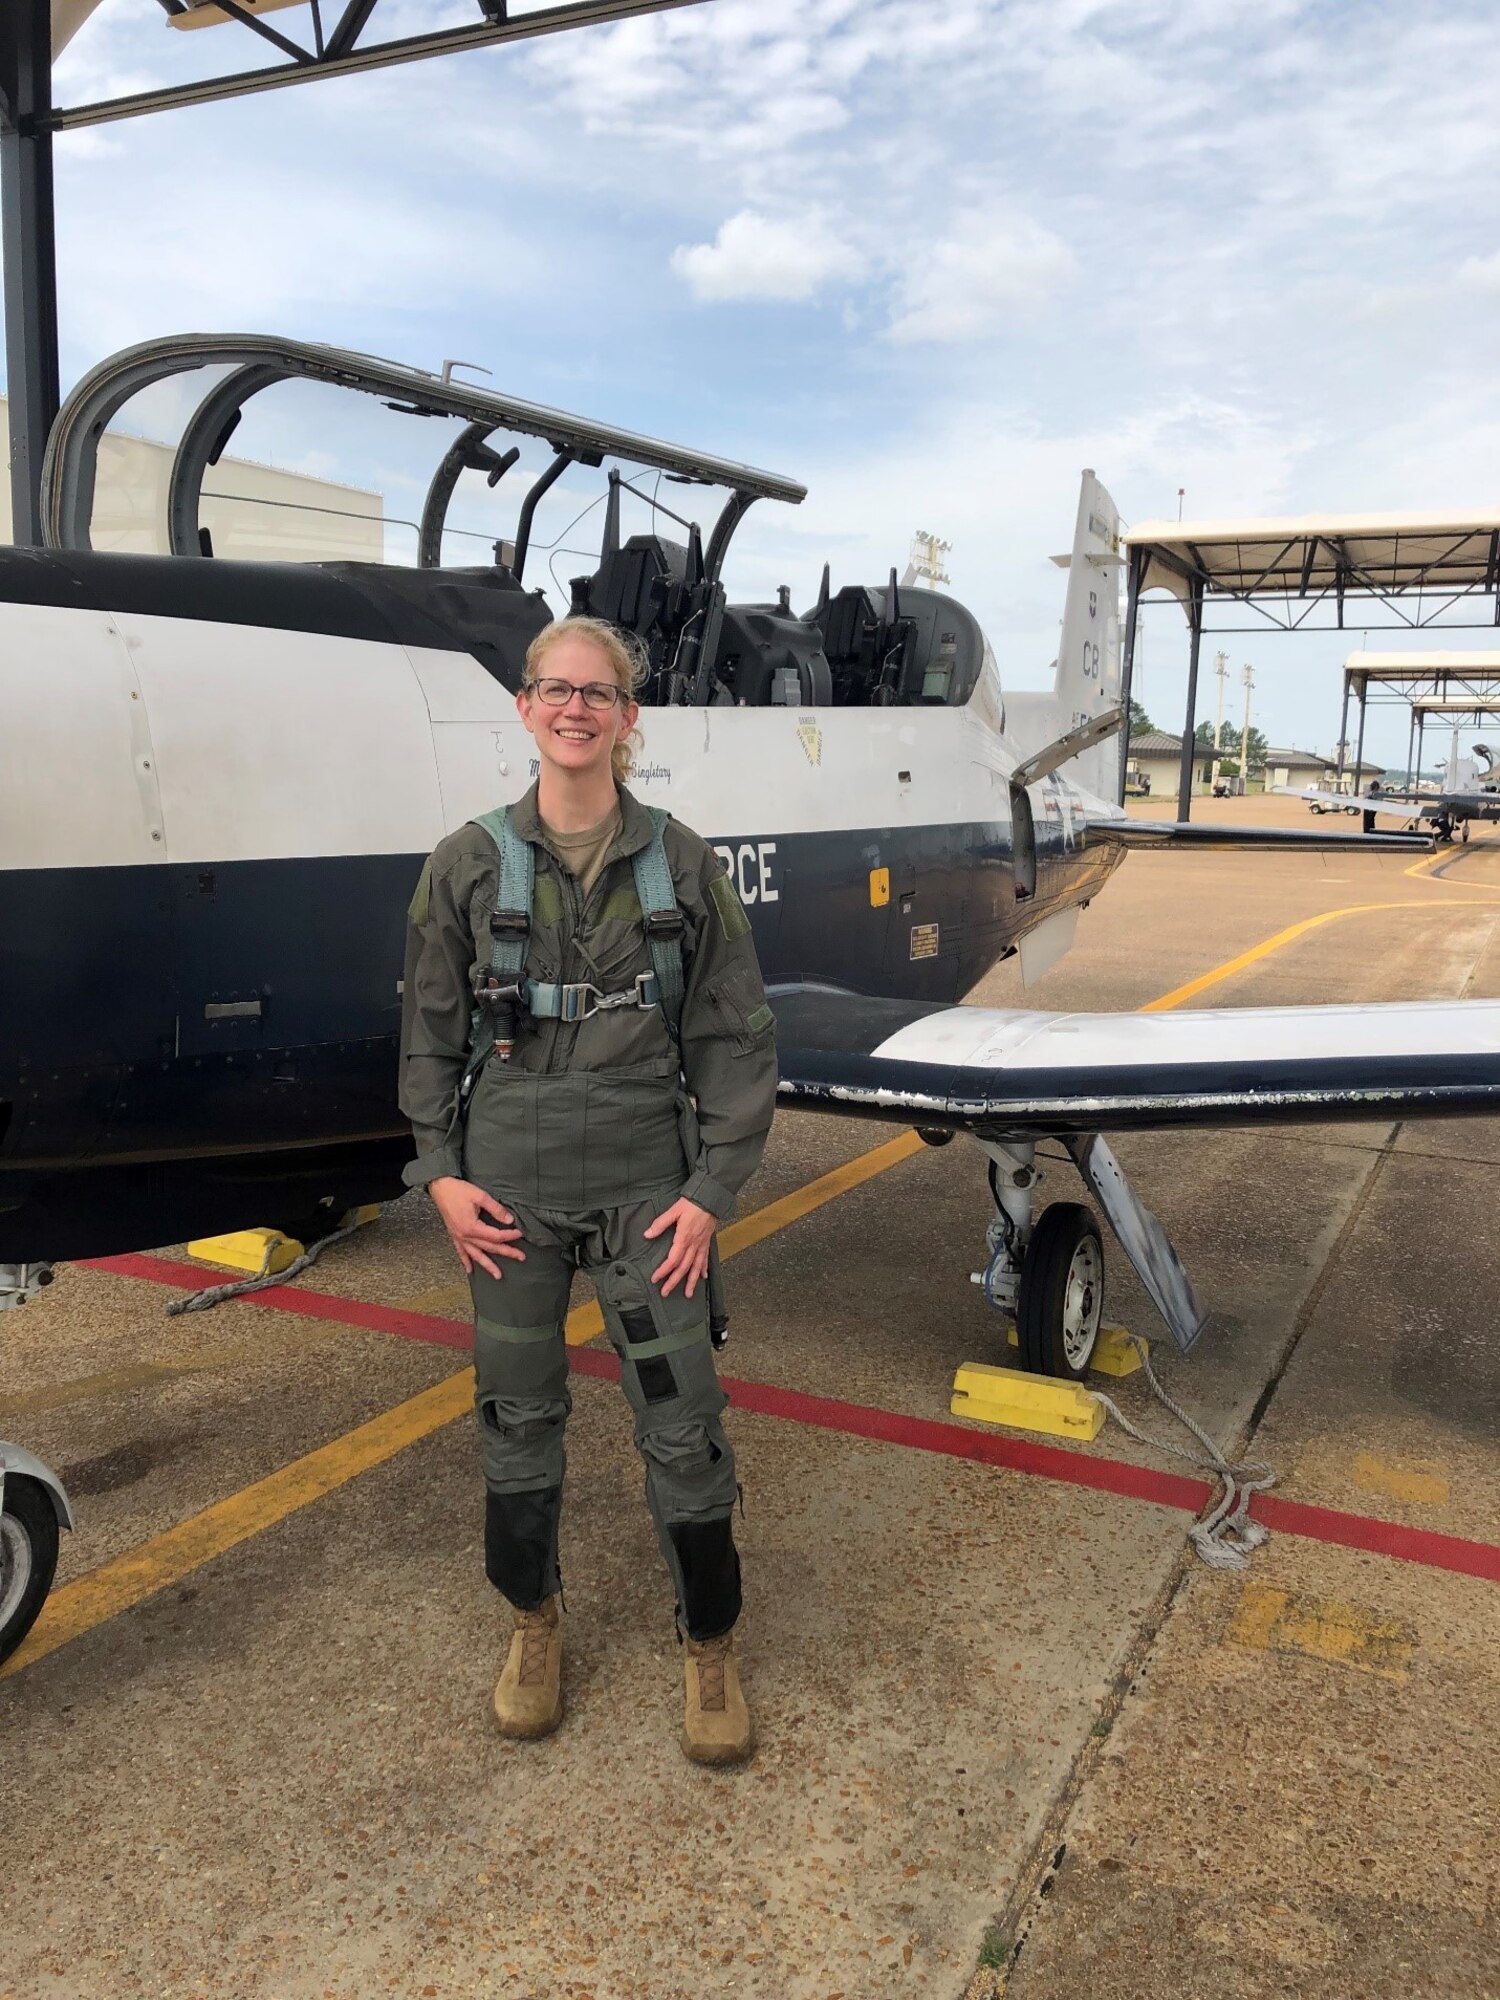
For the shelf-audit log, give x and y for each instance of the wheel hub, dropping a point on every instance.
(15, 1567)
(1082, 1301)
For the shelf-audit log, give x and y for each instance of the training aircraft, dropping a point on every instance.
(1449, 811)
(219, 780)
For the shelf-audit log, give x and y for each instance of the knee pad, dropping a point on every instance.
(521, 1441)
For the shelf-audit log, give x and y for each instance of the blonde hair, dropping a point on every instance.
(627, 663)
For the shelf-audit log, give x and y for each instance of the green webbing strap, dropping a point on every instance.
(510, 933)
(517, 874)
(508, 941)
(658, 899)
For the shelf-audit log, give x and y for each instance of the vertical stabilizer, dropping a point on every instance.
(1088, 657)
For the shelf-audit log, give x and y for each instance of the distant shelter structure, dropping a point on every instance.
(1407, 572)
(1445, 684)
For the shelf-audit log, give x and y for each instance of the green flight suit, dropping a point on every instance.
(589, 1132)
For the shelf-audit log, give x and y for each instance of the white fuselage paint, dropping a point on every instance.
(127, 738)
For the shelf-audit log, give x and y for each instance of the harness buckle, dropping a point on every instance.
(510, 923)
(665, 925)
(580, 1000)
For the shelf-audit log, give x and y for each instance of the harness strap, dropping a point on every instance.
(510, 935)
(657, 895)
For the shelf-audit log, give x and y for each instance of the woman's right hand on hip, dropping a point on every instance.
(464, 1208)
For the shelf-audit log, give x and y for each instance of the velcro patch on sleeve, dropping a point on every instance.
(732, 919)
(762, 1017)
(421, 896)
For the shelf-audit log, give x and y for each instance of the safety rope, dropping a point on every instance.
(215, 1295)
(1225, 1537)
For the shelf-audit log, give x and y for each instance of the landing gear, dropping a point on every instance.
(1061, 1293)
(1049, 1275)
(1464, 836)
(28, 1555)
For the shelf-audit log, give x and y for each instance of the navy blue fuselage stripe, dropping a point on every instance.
(105, 1051)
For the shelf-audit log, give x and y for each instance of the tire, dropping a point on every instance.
(28, 1557)
(1061, 1293)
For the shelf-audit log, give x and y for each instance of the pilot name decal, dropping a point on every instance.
(751, 866)
(924, 941)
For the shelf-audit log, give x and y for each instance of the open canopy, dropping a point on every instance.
(237, 367)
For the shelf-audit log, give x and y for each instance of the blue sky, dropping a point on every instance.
(930, 258)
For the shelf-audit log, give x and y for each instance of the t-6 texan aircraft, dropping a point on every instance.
(1449, 812)
(219, 780)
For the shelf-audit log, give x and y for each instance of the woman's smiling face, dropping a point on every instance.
(574, 737)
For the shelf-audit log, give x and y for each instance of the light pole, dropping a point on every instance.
(1247, 675)
(1221, 671)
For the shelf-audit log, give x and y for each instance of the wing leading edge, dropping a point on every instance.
(1011, 1072)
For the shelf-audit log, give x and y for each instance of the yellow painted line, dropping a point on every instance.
(165, 1558)
(161, 1560)
(1264, 949)
(1420, 1481)
(1267, 1620)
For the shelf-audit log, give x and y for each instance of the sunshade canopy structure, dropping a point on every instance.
(1440, 683)
(1305, 572)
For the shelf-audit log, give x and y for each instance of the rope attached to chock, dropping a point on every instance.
(1226, 1535)
(237, 1288)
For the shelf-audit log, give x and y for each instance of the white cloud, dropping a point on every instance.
(1481, 274)
(758, 257)
(992, 268)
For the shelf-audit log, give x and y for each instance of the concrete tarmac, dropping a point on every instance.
(1012, 1736)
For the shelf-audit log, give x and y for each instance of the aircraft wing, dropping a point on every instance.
(1395, 804)
(1208, 838)
(1011, 1072)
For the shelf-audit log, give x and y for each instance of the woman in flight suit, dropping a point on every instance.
(607, 1139)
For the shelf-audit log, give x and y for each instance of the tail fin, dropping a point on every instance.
(1088, 657)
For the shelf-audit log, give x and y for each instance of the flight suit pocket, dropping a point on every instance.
(649, 1331)
(740, 999)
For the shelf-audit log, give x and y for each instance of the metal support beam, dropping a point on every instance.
(29, 254)
(1359, 747)
(1127, 665)
(346, 56)
(1344, 732)
(1190, 719)
(1411, 744)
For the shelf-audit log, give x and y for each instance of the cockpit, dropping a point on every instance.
(140, 461)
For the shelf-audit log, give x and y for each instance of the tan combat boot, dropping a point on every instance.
(528, 1694)
(716, 1728)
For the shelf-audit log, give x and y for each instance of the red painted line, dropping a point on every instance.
(1012, 1454)
(292, 1298)
(1042, 1461)
(1381, 1538)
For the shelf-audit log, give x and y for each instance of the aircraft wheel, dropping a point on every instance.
(28, 1557)
(1061, 1293)
(1464, 836)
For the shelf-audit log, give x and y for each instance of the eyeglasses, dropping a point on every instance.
(596, 694)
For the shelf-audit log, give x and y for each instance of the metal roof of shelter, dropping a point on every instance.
(1399, 669)
(1286, 570)
(1308, 572)
(1457, 704)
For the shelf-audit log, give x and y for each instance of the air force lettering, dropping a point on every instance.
(751, 865)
